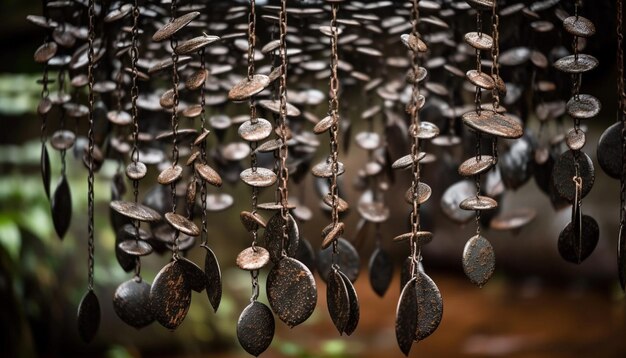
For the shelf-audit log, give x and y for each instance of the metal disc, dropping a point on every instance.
(273, 236)
(493, 123)
(405, 162)
(571, 64)
(208, 174)
(194, 44)
(255, 328)
(610, 151)
(480, 41)
(62, 139)
(423, 193)
(406, 316)
(135, 247)
(480, 202)
(174, 26)
(479, 260)
(421, 237)
(337, 300)
(88, 316)
(136, 170)
(347, 259)
(44, 164)
(476, 165)
(291, 291)
(248, 88)
(261, 177)
(380, 271)
(564, 170)
(331, 233)
(576, 250)
(251, 221)
(194, 276)
(182, 224)
(170, 175)
(213, 281)
(131, 303)
(255, 131)
(324, 169)
(376, 212)
(481, 79)
(274, 106)
(513, 220)
(355, 310)
(579, 26)
(252, 258)
(196, 80)
(429, 306)
(305, 254)
(170, 296)
(61, 207)
(135, 211)
(575, 139)
(583, 106)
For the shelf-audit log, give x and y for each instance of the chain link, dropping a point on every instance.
(283, 193)
(175, 82)
(621, 105)
(334, 113)
(90, 135)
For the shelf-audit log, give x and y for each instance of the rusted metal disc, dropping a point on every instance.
(291, 291)
(337, 300)
(576, 248)
(121, 118)
(273, 206)
(45, 52)
(253, 258)
(174, 26)
(493, 123)
(583, 106)
(182, 224)
(88, 316)
(331, 233)
(480, 41)
(324, 125)
(355, 311)
(479, 260)
(425, 130)
(208, 174)
(135, 247)
(194, 44)
(170, 296)
(192, 111)
(62, 139)
(476, 165)
(347, 259)
(131, 303)
(196, 80)
(259, 177)
(135, 211)
(251, 221)
(610, 151)
(453, 196)
(274, 106)
(255, 131)
(194, 276)
(380, 271)
(481, 79)
(414, 43)
(201, 137)
(421, 237)
(136, 170)
(170, 175)
(324, 169)
(429, 306)
(571, 64)
(579, 26)
(273, 237)
(342, 205)
(213, 280)
(375, 212)
(565, 169)
(575, 139)
(248, 88)
(406, 316)
(255, 328)
(478, 203)
(405, 162)
(235, 151)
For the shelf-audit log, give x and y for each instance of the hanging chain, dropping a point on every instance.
(282, 125)
(253, 144)
(621, 106)
(495, 71)
(45, 92)
(203, 185)
(175, 82)
(90, 135)
(334, 113)
(134, 95)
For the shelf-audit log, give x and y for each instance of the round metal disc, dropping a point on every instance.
(62, 139)
(135, 211)
(584, 106)
(255, 328)
(575, 139)
(479, 260)
(131, 303)
(576, 250)
(135, 247)
(406, 161)
(610, 151)
(253, 258)
(451, 199)
(291, 291)
(194, 44)
(375, 212)
(274, 106)
(170, 296)
(248, 88)
(208, 174)
(564, 170)
(579, 26)
(569, 64)
(196, 80)
(480, 202)
(261, 177)
(174, 26)
(182, 224)
(255, 131)
(347, 259)
(480, 41)
(324, 169)
(251, 221)
(422, 237)
(136, 170)
(170, 175)
(476, 165)
(493, 123)
(481, 79)
(513, 220)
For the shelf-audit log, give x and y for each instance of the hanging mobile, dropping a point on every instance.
(573, 173)
(420, 306)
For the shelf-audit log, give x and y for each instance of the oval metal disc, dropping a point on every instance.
(253, 258)
(182, 224)
(194, 276)
(583, 106)
(429, 306)
(338, 301)
(88, 316)
(480, 41)
(170, 175)
(261, 177)
(481, 79)
(406, 316)
(170, 296)
(479, 260)
(376, 212)
(174, 26)
(254, 132)
(347, 259)
(135, 211)
(136, 170)
(380, 271)
(423, 193)
(355, 310)
(61, 207)
(291, 291)
(564, 170)
(571, 64)
(273, 236)
(213, 281)
(480, 202)
(476, 165)
(131, 303)
(575, 139)
(248, 88)
(610, 151)
(255, 328)
(493, 123)
(306, 254)
(325, 169)
(251, 221)
(208, 174)
(576, 250)
(62, 139)
(579, 26)
(135, 247)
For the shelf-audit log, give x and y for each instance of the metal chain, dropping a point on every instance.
(174, 124)
(203, 185)
(495, 71)
(334, 129)
(90, 135)
(282, 125)
(478, 108)
(621, 105)
(252, 104)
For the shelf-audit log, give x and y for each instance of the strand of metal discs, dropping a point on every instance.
(88, 319)
(291, 289)
(255, 326)
(573, 173)
(420, 306)
(478, 256)
(341, 297)
(612, 146)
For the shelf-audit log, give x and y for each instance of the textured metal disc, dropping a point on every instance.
(380, 271)
(182, 224)
(571, 64)
(479, 260)
(194, 276)
(135, 211)
(213, 280)
(273, 206)
(421, 237)
(255, 328)
(406, 161)
(291, 291)
(170, 296)
(216, 202)
(375, 212)
(201, 137)
(136, 170)
(406, 316)
(584, 106)
(342, 205)
(248, 88)
(135, 247)
(194, 44)
(576, 249)
(45, 52)
(273, 236)
(579, 26)
(478, 203)
(62, 139)
(121, 118)
(324, 124)
(414, 43)
(131, 303)
(425, 130)
(208, 174)
(337, 300)
(44, 164)
(480, 41)
(253, 258)
(324, 169)
(575, 139)
(429, 306)
(61, 207)
(255, 131)
(274, 106)
(564, 170)
(251, 221)
(88, 316)
(481, 4)
(174, 26)
(331, 233)
(453, 196)
(493, 123)
(368, 140)
(347, 259)
(355, 310)
(481, 79)
(170, 175)
(196, 80)
(261, 177)
(476, 165)
(192, 111)
(610, 151)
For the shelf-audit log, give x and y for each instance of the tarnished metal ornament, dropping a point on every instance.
(574, 248)
(190, 193)
(305, 254)
(338, 301)
(213, 281)
(406, 316)
(476, 165)
(120, 118)
(258, 177)
(61, 207)
(423, 193)
(44, 165)
(208, 174)
(479, 260)
(324, 124)
(609, 151)
(255, 328)
(273, 236)
(355, 310)
(170, 296)
(251, 221)
(481, 79)
(576, 64)
(248, 88)
(480, 41)
(565, 169)
(45, 52)
(136, 170)
(274, 106)
(380, 271)
(421, 237)
(196, 80)
(575, 139)
(182, 224)
(88, 316)
(135, 247)
(291, 291)
(429, 306)
(347, 260)
(252, 258)
(194, 44)
(413, 43)
(583, 106)
(170, 175)
(405, 162)
(493, 123)
(135, 211)
(480, 202)
(194, 276)
(174, 26)
(331, 233)
(253, 131)
(579, 26)
(375, 212)
(131, 303)
(201, 137)
(62, 139)
(513, 220)
(324, 169)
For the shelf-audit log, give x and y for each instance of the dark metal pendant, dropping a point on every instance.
(273, 236)
(255, 328)
(621, 256)
(478, 260)
(213, 280)
(131, 303)
(88, 316)
(429, 306)
(355, 310)
(338, 301)
(194, 276)
(576, 248)
(170, 296)
(347, 259)
(45, 168)
(61, 207)
(406, 316)
(609, 151)
(291, 291)
(380, 271)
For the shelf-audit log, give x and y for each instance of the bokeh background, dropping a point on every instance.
(536, 305)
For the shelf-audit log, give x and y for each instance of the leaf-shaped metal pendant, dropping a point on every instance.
(381, 271)
(479, 260)
(429, 306)
(306, 254)
(213, 278)
(88, 316)
(338, 301)
(273, 236)
(194, 276)
(406, 316)
(170, 296)
(131, 303)
(291, 291)
(255, 328)
(355, 311)
(348, 260)
(45, 169)
(621, 256)
(576, 249)
(61, 206)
